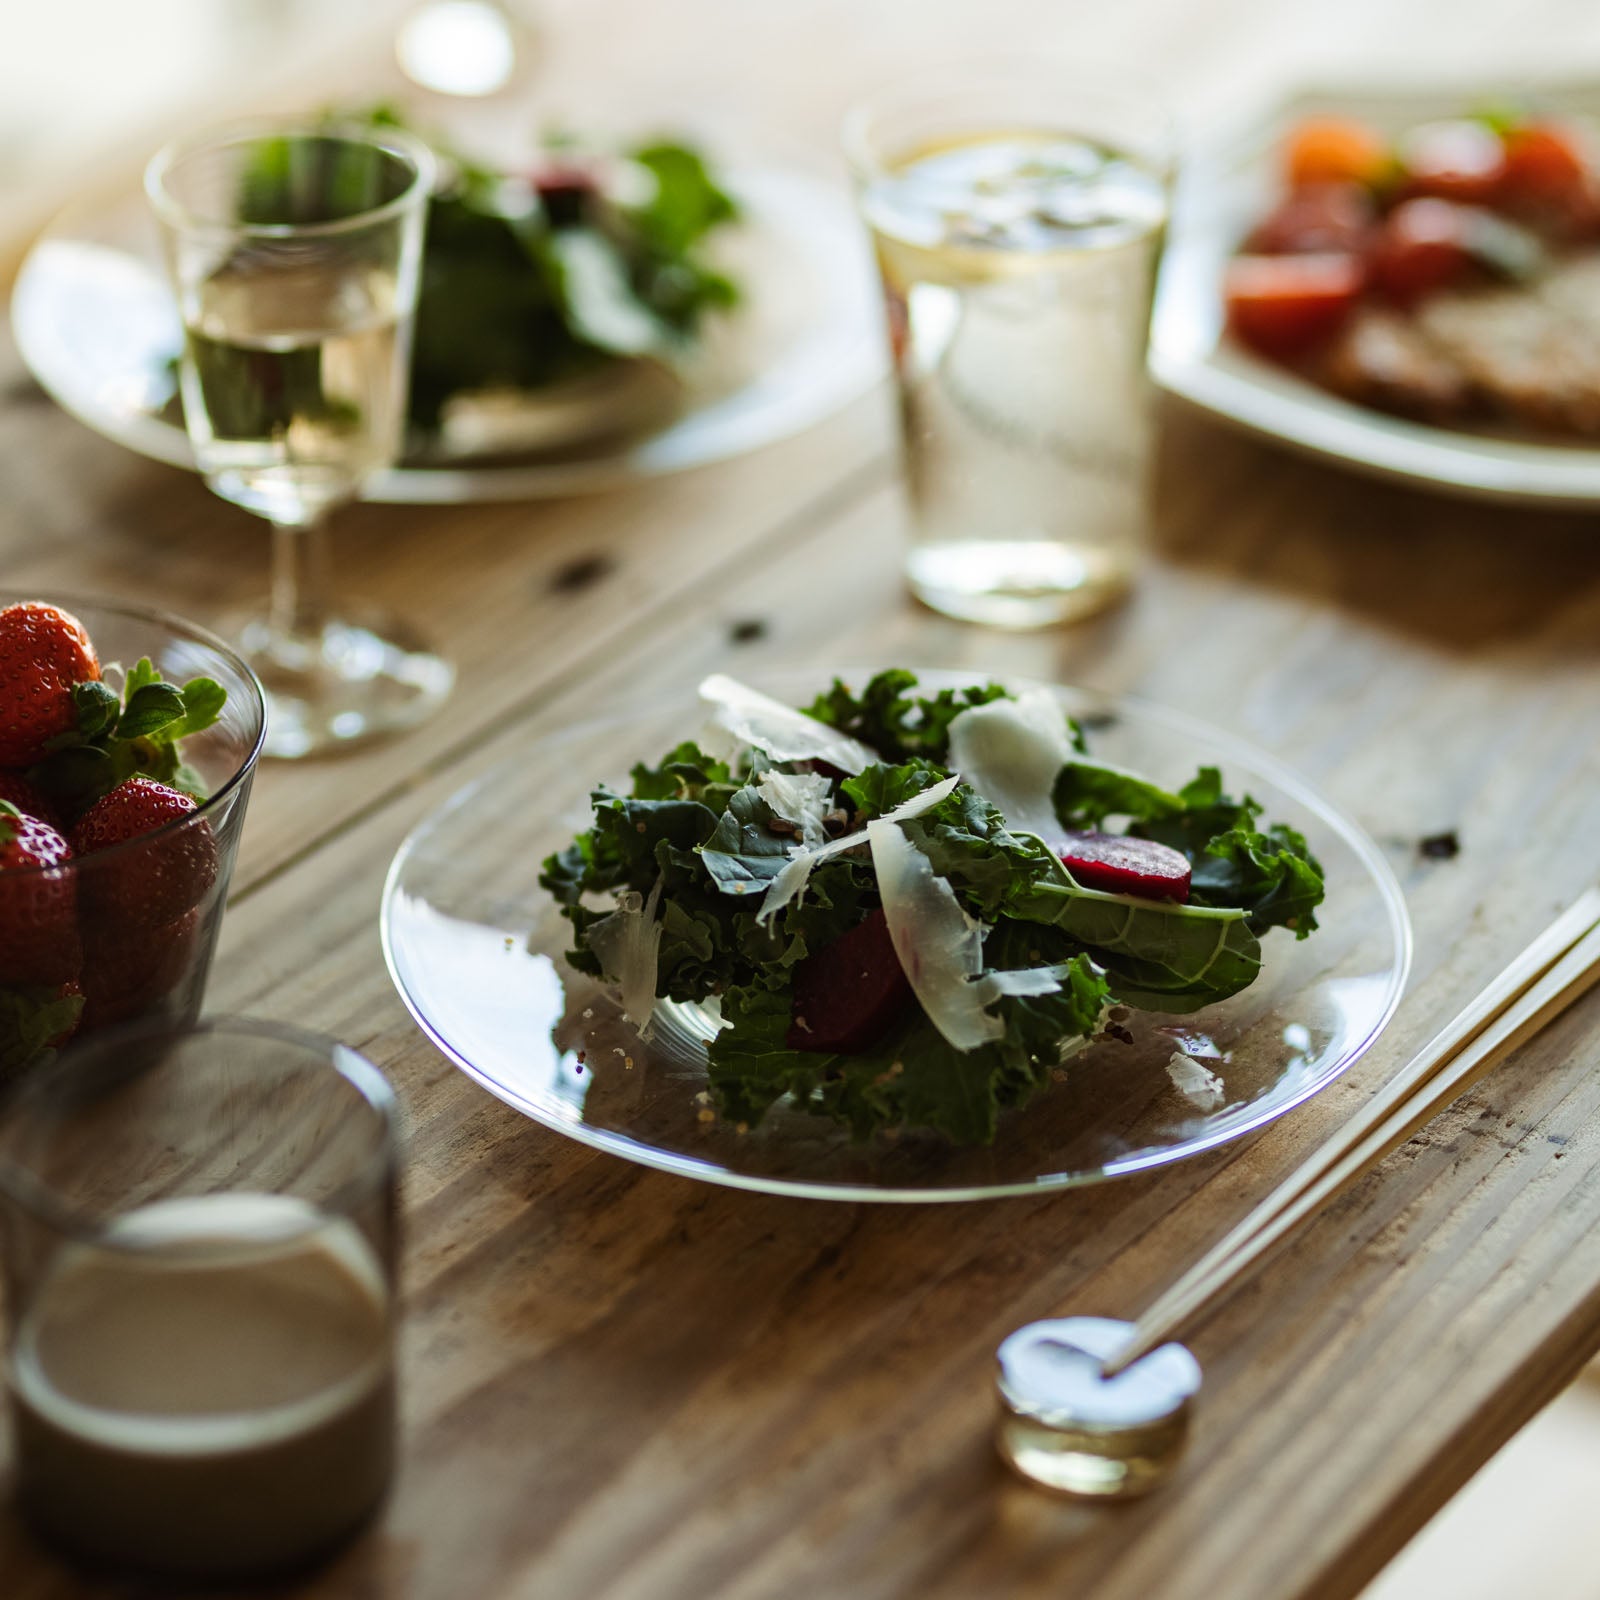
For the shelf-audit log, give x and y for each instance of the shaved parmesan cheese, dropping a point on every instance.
(1197, 1083)
(790, 883)
(801, 798)
(784, 733)
(1011, 751)
(940, 947)
(627, 945)
(1027, 980)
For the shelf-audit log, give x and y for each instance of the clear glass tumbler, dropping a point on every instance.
(295, 254)
(199, 1261)
(1018, 209)
(92, 943)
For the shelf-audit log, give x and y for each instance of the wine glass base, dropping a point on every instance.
(356, 679)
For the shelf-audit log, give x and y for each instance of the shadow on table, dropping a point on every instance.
(1464, 575)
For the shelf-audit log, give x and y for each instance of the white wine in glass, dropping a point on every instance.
(295, 255)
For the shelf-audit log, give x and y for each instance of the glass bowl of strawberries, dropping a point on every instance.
(128, 741)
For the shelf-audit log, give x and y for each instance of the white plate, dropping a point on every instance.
(1225, 189)
(96, 325)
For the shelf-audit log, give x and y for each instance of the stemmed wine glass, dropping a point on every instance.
(295, 253)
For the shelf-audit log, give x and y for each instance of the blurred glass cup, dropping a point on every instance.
(1018, 209)
(199, 1256)
(295, 253)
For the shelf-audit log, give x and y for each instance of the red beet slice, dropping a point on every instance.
(847, 993)
(1117, 864)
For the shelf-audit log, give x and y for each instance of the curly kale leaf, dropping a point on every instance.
(1271, 875)
(899, 725)
(913, 1079)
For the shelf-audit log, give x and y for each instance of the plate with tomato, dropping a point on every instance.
(1405, 281)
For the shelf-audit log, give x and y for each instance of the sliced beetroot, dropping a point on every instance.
(848, 993)
(1117, 864)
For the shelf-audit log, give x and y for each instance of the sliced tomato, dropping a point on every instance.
(1284, 305)
(1334, 150)
(1426, 244)
(1314, 219)
(1460, 160)
(1551, 182)
(1544, 161)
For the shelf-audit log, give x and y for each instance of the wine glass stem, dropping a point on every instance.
(299, 605)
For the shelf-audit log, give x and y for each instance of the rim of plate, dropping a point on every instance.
(1267, 765)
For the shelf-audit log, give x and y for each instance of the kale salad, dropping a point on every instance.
(909, 908)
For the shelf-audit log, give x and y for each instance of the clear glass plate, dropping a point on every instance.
(1225, 190)
(475, 948)
(96, 324)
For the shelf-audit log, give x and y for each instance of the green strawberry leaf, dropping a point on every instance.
(183, 776)
(9, 817)
(77, 776)
(31, 1020)
(203, 700)
(97, 707)
(138, 734)
(143, 672)
(151, 709)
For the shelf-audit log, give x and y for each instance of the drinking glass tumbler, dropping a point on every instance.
(200, 1246)
(128, 931)
(1017, 209)
(295, 254)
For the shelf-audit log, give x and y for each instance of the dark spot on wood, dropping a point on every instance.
(581, 574)
(1440, 846)
(1097, 721)
(747, 631)
(1115, 1030)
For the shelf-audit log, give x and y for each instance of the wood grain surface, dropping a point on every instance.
(621, 1384)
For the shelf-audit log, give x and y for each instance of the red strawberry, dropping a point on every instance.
(29, 797)
(38, 925)
(43, 652)
(152, 885)
(127, 973)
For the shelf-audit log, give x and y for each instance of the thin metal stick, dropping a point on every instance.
(1537, 986)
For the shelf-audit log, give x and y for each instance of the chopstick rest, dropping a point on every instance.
(1060, 1376)
(1065, 1425)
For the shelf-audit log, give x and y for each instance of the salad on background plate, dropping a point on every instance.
(584, 279)
(599, 309)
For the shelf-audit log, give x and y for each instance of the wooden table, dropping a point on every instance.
(621, 1384)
